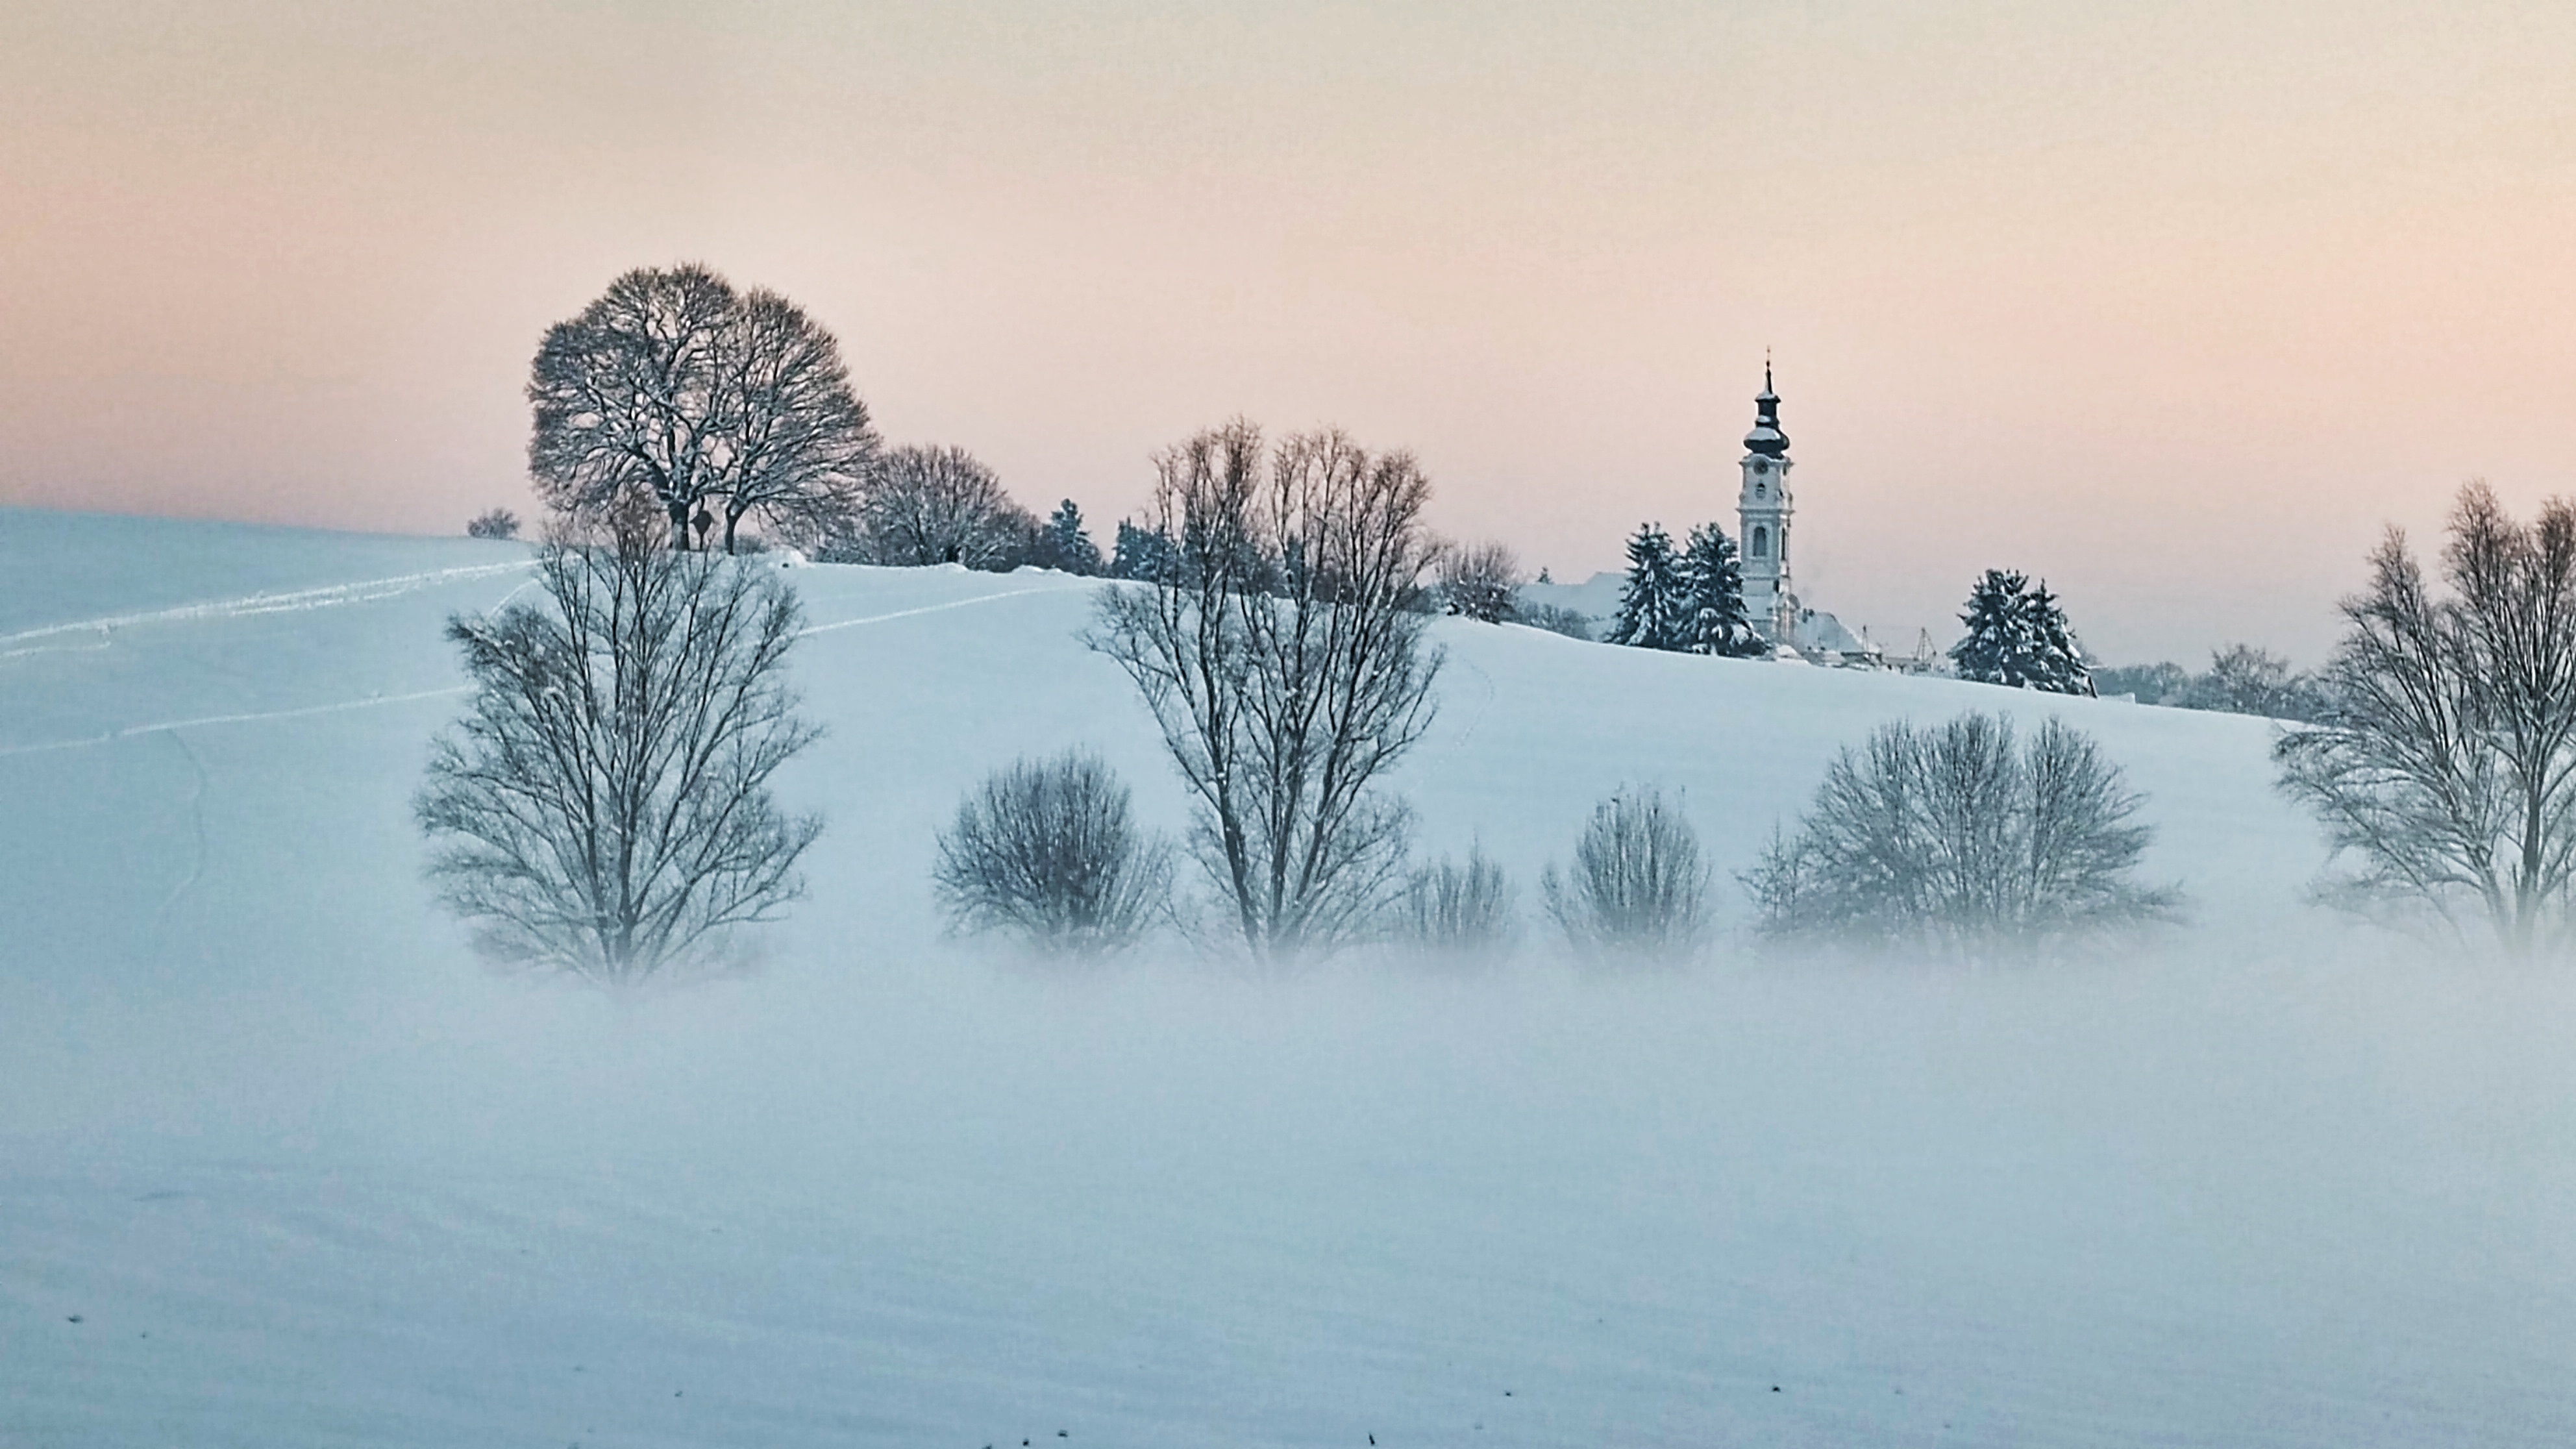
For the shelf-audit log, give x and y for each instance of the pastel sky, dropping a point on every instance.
(2177, 304)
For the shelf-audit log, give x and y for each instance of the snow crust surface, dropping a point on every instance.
(281, 1164)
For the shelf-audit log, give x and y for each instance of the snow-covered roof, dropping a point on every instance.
(1820, 630)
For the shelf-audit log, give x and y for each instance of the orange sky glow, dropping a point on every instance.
(2176, 304)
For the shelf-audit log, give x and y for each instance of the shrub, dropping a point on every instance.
(1455, 909)
(1481, 582)
(1556, 619)
(1960, 836)
(1638, 887)
(1045, 850)
(499, 523)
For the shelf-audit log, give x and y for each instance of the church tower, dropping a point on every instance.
(1762, 521)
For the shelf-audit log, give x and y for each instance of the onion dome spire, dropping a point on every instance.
(1766, 437)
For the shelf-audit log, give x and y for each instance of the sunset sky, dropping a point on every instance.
(2176, 304)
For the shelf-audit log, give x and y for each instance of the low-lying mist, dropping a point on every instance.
(2077, 1198)
(281, 1164)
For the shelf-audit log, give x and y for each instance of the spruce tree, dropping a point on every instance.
(1651, 602)
(2000, 645)
(1066, 544)
(2057, 663)
(1143, 553)
(1713, 619)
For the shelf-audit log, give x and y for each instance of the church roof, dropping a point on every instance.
(1820, 630)
(1766, 437)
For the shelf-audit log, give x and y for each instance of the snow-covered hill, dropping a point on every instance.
(281, 1165)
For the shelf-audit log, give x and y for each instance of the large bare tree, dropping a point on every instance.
(603, 808)
(676, 386)
(2442, 759)
(1281, 653)
(801, 447)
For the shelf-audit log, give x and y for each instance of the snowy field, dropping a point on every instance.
(282, 1165)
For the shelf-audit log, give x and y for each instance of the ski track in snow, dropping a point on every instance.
(373, 701)
(365, 591)
(134, 731)
(939, 608)
(102, 643)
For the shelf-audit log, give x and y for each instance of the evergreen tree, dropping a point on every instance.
(1142, 553)
(1065, 544)
(1713, 619)
(2057, 662)
(2018, 635)
(2000, 646)
(1651, 604)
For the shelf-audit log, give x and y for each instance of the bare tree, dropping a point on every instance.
(1959, 837)
(1281, 654)
(800, 446)
(2246, 679)
(1479, 581)
(1455, 909)
(1638, 887)
(627, 397)
(933, 505)
(674, 385)
(603, 807)
(2442, 760)
(1046, 850)
(499, 523)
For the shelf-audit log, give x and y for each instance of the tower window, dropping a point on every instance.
(1761, 542)
(1761, 490)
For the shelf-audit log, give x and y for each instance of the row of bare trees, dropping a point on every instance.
(604, 807)
(1960, 840)
(675, 391)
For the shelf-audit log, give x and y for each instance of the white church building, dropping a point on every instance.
(1764, 507)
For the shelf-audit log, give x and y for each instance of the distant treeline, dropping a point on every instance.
(2241, 679)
